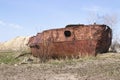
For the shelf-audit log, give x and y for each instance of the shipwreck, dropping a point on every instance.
(72, 41)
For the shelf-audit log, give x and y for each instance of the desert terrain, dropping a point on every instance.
(102, 67)
(17, 63)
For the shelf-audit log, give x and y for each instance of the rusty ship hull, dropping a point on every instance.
(71, 41)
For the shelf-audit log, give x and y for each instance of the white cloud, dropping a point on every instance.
(11, 25)
(2, 23)
(92, 8)
(16, 26)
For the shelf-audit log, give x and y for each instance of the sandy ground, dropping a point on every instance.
(105, 67)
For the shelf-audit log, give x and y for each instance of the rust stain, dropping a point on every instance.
(71, 41)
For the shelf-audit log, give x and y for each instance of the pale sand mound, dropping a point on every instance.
(16, 44)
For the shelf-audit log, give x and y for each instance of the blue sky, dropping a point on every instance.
(27, 17)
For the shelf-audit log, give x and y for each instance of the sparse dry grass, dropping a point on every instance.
(101, 67)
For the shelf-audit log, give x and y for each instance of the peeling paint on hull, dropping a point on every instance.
(72, 41)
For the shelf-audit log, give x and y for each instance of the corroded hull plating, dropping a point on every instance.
(72, 41)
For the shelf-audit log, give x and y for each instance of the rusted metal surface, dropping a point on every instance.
(71, 41)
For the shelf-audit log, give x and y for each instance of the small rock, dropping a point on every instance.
(15, 64)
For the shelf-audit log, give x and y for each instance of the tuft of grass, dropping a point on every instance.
(70, 61)
(8, 58)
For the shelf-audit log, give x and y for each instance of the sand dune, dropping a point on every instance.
(16, 44)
